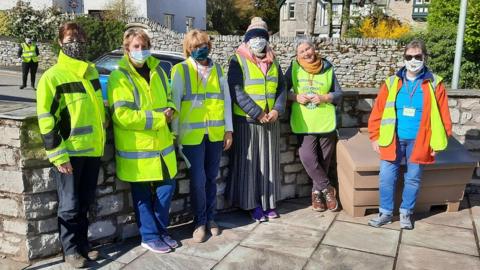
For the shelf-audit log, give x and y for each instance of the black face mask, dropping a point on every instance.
(75, 49)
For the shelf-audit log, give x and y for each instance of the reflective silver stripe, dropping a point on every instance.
(188, 83)
(44, 115)
(136, 95)
(58, 153)
(128, 104)
(214, 95)
(261, 97)
(245, 68)
(390, 121)
(81, 130)
(168, 150)
(149, 122)
(219, 70)
(194, 97)
(434, 82)
(254, 81)
(76, 152)
(162, 77)
(140, 155)
(390, 104)
(272, 79)
(392, 80)
(214, 123)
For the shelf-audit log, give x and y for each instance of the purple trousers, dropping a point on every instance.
(316, 154)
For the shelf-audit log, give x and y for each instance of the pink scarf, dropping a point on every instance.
(262, 63)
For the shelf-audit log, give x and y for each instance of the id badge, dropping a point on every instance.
(407, 111)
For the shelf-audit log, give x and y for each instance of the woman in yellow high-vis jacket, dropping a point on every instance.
(71, 118)
(315, 91)
(258, 96)
(140, 99)
(204, 127)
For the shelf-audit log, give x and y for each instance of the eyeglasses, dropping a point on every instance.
(417, 57)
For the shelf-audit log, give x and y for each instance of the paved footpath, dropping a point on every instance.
(304, 239)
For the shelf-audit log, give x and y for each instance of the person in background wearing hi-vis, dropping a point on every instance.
(28, 52)
(258, 95)
(315, 92)
(140, 99)
(411, 120)
(204, 128)
(71, 118)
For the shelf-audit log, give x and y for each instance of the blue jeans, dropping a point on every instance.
(205, 163)
(151, 201)
(388, 179)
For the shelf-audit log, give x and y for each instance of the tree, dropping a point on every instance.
(312, 16)
(119, 9)
(345, 17)
(222, 16)
(267, 9)
(441, 36)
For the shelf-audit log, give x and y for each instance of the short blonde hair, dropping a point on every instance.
(132, 33)
(193, 39)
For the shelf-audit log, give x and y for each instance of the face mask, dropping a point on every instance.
(257, 45)
(28, 41)
(139, 57)
(200, 54)
(414, 65)
(75, 49)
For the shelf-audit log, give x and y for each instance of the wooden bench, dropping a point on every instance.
(443, 183)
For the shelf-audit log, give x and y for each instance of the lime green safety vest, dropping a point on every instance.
(142, 136)
(29, 53)
(312, 119)
(70, 110)
(260, 88)
(202, 106)
(438, 140)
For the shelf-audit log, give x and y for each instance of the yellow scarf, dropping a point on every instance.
(313, 68)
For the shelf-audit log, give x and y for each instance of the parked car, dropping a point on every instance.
(109, 62)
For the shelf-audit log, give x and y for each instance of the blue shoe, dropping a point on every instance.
(170, 241)
(381, 220)
(156, 246)
(257, 214)
(405, 222)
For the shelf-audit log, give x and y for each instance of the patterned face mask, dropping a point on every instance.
(75, 49)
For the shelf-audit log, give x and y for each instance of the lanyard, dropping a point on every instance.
(414, 88)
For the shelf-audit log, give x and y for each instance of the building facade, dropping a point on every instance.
(294, 14)
(177, 15)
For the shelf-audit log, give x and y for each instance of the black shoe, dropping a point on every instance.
(21, 87)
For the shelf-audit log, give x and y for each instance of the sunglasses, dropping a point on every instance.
(417, 57)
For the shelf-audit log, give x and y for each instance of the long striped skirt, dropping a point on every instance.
(255, 165)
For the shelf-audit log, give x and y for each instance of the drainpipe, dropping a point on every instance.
(459, 47)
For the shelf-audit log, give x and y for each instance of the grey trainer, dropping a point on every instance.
(380, 220)
(406, 222)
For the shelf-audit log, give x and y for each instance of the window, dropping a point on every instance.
(189, 23)
(291, 11)
(168, 21)
(300, 33)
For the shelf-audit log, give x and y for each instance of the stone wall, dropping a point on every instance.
(28, 200)
(358, 62)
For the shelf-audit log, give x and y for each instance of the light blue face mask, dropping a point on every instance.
(139, 57)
